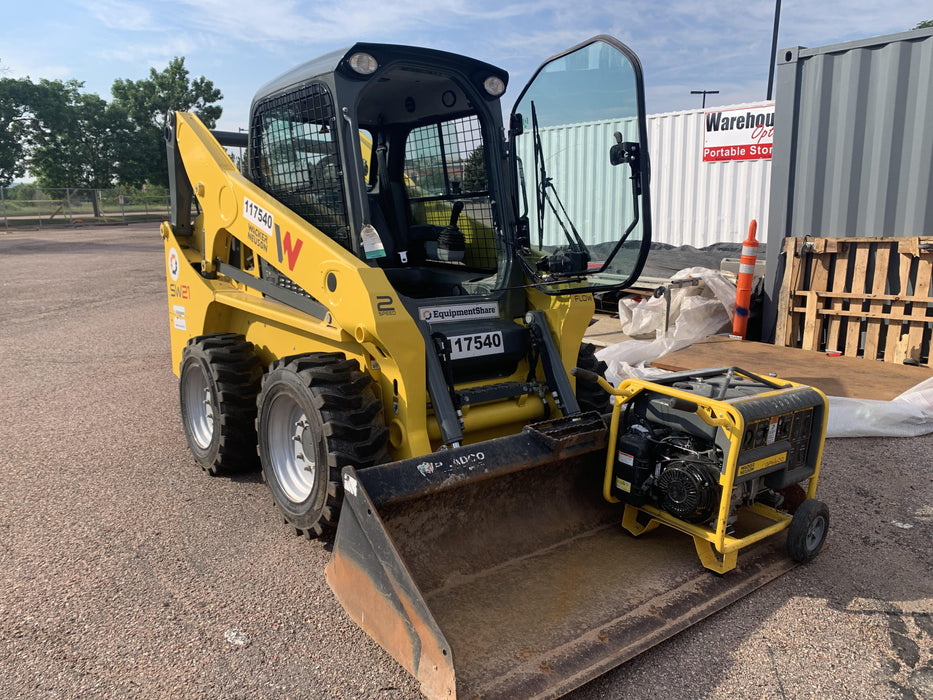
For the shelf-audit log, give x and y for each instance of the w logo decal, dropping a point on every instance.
(287, 248)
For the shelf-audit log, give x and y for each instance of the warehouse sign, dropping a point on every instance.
(739, 134)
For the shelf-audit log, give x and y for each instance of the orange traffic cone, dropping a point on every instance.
(743, 288)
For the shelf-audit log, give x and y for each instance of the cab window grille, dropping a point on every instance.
(445, 163)
(294, 158)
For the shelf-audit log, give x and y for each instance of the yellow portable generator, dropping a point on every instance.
(719, 454)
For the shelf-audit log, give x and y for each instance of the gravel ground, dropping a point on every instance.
(125, 571)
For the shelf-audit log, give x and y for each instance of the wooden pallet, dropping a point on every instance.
(863, 297)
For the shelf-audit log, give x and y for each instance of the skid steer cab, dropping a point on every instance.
(385, 310)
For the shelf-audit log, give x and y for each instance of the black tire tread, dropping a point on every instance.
(236, 372)
(590, 395)
(350, 413)
(799, 526)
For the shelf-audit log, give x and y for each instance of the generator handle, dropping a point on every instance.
(679, 404)
(585, 374)
(730, 375)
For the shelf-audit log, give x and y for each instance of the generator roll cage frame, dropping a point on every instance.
(716, 548)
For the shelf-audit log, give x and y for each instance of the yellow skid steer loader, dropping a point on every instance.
(386, 310)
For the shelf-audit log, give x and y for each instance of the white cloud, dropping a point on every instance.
(282, 21)
(23, 58)
(123, 15)
(30, 67)
(155, 51)
(239, 44)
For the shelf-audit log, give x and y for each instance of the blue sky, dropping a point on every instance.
(684, 45)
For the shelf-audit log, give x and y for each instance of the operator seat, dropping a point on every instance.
(391, 241)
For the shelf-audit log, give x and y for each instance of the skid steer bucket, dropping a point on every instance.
(496, 570)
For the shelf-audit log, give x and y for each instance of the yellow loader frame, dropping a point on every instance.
(364, 319)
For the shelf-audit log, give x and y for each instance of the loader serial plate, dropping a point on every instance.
(475, 345)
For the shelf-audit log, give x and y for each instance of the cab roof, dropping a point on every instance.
(385, 54)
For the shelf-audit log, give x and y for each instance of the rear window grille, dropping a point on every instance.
(294, 158)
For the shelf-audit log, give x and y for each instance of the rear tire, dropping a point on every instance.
(807, 531)
(217, 387)
(590, 395)
(317, 413)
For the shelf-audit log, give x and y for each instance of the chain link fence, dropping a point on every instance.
(26, 207)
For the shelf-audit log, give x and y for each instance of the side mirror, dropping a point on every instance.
(627, 152)
(516, 125)
(523, 234)
(624, 152)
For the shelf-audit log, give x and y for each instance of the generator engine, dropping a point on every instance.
(674, 471)
(669, 457)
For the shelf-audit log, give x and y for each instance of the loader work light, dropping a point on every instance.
(494, 85)
(363, 63)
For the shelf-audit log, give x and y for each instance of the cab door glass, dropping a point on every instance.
(582, 168)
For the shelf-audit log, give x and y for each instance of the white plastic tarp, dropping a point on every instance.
(907, 415)
(696, 312)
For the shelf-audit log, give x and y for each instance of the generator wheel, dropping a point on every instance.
(316, 414)
(590, 395)
(217, 387)
(807, 531)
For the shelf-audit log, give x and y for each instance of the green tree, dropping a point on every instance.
(64, 137)
(474, 172)
(926, 24)
(80, 139)
(16, 124)
(146, 103)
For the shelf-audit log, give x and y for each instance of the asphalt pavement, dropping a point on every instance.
(126, 571)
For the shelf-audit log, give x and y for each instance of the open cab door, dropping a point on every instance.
(581, 172)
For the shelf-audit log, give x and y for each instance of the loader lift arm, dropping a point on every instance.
(342, 291)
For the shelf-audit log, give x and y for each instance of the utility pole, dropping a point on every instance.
(704, 93)
(774, 38)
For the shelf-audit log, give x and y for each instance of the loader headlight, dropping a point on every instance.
(363, 63)
(494, 85)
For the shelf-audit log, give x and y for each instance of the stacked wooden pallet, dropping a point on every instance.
(862, 297)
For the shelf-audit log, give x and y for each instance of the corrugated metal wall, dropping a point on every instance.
(696, 203)
(853, 147)
(595, 193)
(692, 202)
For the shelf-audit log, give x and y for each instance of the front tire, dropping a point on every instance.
(317, 413)
(217, 387)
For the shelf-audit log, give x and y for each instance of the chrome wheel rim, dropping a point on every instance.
(199, 407)
(295, 470)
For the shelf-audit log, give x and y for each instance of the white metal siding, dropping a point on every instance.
(696, 203)
(692, 202)
(596, 195)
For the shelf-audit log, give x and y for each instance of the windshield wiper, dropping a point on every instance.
(562, 262)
